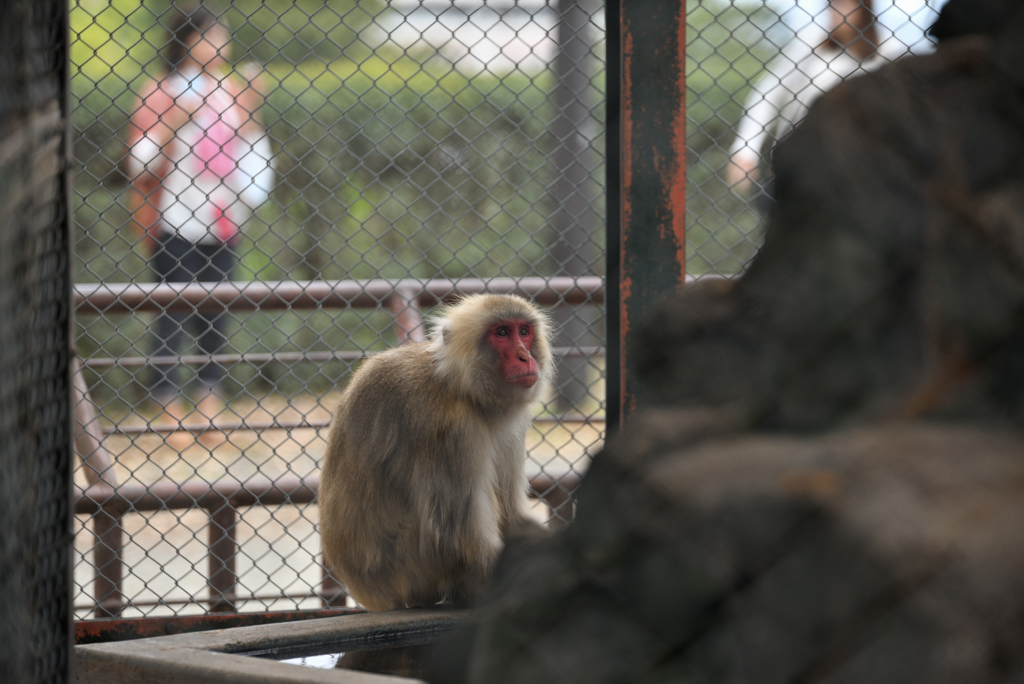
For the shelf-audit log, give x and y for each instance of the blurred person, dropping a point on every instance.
(200, 163)
(780, 98)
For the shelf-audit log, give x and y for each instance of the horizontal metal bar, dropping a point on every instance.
(114, 298)
(288, 489)
(101, 631)
(166, 494)
(196, 600)
(225, 359)
(279, 357)
(199, 600)
(201, 427)
(220, 655)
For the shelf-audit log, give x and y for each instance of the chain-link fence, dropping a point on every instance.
(265, 192)
(359, 163)
(752, 70)
(35, 458)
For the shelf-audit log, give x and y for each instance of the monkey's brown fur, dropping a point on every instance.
(424, 472)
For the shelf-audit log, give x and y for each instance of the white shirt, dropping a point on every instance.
(216, 176)
(780, 98)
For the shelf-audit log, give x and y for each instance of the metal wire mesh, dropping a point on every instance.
(416, 149)
(35, 461)
(752, 70)
(386, 157)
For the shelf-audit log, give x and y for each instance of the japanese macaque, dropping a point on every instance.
(424, 472)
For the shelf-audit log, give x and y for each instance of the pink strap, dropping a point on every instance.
(215, 148)
(226, 228)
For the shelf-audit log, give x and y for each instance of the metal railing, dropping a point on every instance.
(107, 501)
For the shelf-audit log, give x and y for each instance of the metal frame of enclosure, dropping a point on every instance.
(647, 148)
(421, 152)
(36, 459)
(655, 264)
(107, 501)
(113, 295)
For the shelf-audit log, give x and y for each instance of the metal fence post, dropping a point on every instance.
(387, 170)
(647, 175)
(108, 561)
(223, 548)
(98, 468)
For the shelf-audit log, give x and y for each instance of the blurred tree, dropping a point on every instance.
(297, 30)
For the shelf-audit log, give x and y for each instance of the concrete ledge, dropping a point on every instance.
(215, 657)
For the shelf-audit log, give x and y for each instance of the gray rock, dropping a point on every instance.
(873, 554)
(826, 483)
(891, 281)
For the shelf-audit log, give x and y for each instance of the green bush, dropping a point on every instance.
(388, 165)
(728, 45)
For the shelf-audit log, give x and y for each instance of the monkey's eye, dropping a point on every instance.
(524, 331)
(501, 332)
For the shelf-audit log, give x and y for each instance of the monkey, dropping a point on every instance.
(423, 477)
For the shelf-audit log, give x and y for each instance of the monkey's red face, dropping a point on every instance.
(513, 340)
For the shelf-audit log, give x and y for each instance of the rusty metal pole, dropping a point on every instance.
(109, 562)
(223, 545)
(646, 177)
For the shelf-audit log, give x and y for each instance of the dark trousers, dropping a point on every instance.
(179, 261)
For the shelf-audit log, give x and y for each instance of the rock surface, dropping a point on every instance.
(827, 484)
(891, 281)
(872, 554)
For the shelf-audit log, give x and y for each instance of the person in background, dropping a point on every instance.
(780, 98)
(200, 163)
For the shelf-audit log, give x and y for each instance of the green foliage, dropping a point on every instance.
(392, 170)
(387, 166)
(728, 44)
(295, 31)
